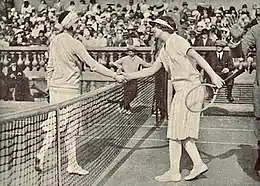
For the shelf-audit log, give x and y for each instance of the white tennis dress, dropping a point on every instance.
(184, 76)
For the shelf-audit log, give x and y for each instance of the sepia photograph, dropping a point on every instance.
(129, 93)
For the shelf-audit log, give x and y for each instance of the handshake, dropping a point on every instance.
(122, 77)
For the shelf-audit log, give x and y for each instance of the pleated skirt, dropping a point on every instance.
(182, 122)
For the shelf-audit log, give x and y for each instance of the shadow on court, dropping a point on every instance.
(246, 157)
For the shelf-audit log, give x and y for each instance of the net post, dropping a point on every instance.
(58, 146)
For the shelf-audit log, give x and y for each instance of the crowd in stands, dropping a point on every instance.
(113, 24)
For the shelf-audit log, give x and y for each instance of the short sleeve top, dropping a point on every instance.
(175, 60)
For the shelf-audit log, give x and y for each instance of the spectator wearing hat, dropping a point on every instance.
(182, 13)
(222, 63)
(225, 34)
(41, 40)
(131, 6)
(18, 39)
(138, 13)
(244, 10)
(203, 39)
(192, 38)
(214, 33)
(128, 64)
(160, 10)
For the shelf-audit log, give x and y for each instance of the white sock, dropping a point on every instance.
(193, 152)
(175, 156)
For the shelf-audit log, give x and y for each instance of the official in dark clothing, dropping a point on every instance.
(203, 39)
(222, 64)
(3, 86)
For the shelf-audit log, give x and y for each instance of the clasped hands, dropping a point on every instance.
(122, 77)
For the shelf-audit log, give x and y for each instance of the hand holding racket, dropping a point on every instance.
(209, 89)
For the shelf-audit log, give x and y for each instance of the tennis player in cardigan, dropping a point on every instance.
(64, 71)
(179, 59)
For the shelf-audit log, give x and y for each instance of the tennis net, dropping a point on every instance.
(100, 132)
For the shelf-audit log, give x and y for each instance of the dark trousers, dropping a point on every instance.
(3, 89)
(22, 89)
(130, 92)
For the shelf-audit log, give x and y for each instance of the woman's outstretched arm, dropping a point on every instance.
(145, 72)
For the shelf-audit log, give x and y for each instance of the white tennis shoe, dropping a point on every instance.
(196, 171)
(77, 170)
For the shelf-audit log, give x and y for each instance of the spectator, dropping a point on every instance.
(41, 40)
(204, 39)
(22, 88)
(225, 34)
(11, 81)
(3, 86)
(93, 6)
(244, 10)
(42, 7)
(183, 15)
(18, 39)
(222, 63)
(233, 12)
(192, 38)
(26, 8)
(72, 7)
(3, 42)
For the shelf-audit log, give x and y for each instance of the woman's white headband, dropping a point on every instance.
(162, 22)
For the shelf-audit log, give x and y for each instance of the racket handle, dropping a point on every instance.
(234, 75)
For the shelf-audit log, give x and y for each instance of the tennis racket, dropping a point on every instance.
(207, 94)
